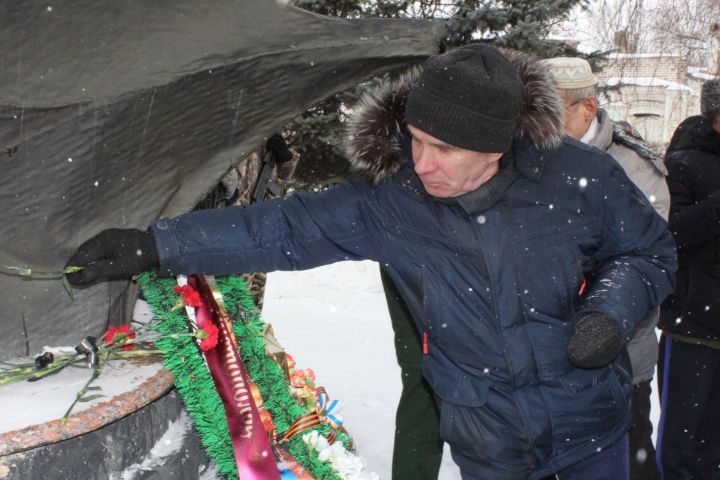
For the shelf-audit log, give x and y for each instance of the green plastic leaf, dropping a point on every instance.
(68, 288)
(90, 397)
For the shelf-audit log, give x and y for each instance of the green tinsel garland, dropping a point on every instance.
(196, 387)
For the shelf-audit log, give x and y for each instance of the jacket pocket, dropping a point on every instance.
(578, 383)
(434, 292)
(457, 413)
(460, 405)
(488, 435)
(462, 391)
(585, 404)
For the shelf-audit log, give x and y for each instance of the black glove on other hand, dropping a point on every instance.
(113, 254)
(279, 148)
(595, 342)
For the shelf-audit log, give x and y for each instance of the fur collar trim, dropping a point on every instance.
(375, 129)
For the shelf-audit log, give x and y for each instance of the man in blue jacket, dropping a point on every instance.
(525, 260)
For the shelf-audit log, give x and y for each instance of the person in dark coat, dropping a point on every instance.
(526, 259)
(688, 444)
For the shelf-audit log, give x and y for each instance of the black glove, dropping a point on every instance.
(279, 148)
(596, 340)
(114, 254)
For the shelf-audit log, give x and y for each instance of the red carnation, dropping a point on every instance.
(209, 336)
(191, 297)
(116, 336)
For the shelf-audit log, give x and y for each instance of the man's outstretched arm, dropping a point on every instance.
(300, 232)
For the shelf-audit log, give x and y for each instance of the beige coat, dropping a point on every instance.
(649, 177)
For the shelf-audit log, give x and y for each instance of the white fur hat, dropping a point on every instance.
(570, 73)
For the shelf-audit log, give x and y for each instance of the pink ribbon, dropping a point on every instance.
(253, 454)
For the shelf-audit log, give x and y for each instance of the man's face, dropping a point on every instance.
(448, 171)
(578, 115)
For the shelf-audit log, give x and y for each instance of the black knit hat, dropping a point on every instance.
(710, 98)
(469, 98)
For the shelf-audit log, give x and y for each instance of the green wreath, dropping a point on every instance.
(183, 359)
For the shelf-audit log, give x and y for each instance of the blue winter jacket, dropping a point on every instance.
(494, 279)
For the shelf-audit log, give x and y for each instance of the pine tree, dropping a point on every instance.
(519, 24)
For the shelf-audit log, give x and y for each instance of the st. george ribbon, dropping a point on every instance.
(253, 453)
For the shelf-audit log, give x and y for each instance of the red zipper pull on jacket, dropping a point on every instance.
(582, 287)
(425, 343)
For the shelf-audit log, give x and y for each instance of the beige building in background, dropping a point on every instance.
(652, 91)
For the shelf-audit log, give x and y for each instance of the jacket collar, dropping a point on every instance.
(622, 133)
(604, 136)
(490, 192)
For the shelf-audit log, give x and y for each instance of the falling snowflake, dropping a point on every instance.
(641, 455)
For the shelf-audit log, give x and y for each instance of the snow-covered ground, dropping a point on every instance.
(334, 320)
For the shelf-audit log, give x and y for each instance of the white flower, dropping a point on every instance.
(346, 464)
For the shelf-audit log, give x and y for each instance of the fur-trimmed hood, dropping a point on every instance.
(373, 141)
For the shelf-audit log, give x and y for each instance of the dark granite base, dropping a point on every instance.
(157, 442)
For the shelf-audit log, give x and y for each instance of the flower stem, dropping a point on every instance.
(81, 393)
(30, 273)
(26, 272)
(28, 371)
